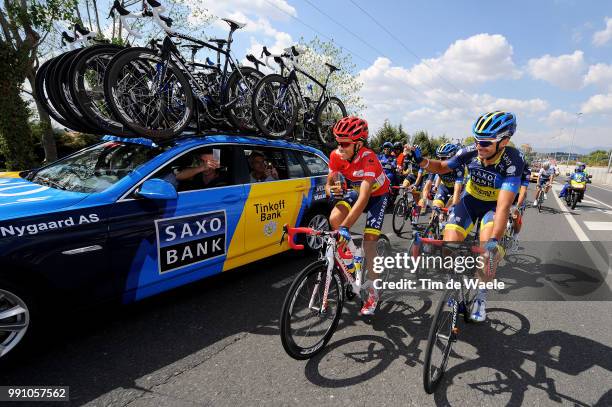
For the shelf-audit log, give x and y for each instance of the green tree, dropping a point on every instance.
(25, 24)
(422, 139)
(469, 140)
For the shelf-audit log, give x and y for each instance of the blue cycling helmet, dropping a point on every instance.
(494, 126)
(447, 150)
(387, 144)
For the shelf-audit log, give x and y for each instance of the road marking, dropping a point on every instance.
(598, 225)
(586, 201)
(598, 260)
(605, 189)
(572, 222)
(598, 201)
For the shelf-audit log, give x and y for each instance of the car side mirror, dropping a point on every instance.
(156, 188)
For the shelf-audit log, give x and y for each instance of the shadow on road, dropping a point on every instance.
(140, 345)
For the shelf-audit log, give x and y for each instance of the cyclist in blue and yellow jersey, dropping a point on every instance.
(369, 192)
(546, 176)
(449, 184)
(520, 201)
(495, 171)
(388, 161)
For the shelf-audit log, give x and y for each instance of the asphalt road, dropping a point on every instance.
(548, 339)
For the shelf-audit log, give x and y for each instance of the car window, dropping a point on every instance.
(96, 168)
(316, 165)
(294, 167)
(195, 169)
(265, 164)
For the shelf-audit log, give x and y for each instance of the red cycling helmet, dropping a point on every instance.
(351, 127)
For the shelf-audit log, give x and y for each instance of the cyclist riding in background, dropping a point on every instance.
(387, 160)
(369, 192)
(449, 184)
(399, 160)
(414, 176)
(545, 176)
(495, 171)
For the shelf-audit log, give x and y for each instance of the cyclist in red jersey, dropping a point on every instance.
(368, 190)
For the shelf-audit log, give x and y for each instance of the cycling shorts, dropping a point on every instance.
(443, 195)
(543, 181)
(469, 209)
(375, 211)
(412, 178)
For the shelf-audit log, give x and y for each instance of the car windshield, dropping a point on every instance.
(96, 168)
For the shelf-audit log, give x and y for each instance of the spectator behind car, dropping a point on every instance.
(261, 170)
(205, 175)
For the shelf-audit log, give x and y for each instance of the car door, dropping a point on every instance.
(271, 204)
(165, 244)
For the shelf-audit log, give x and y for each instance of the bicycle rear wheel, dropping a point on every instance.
(330, 111)
(442, 334)
(304, 325)
(239, 95)
(275, 106)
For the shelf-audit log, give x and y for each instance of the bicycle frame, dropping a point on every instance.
(333, 256)
(292, 79)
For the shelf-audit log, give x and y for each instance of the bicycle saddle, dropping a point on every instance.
(331, 67)
(154, 3)
(234, 25)
(81, 30)
(220, 42)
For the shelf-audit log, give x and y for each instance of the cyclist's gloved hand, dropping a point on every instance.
(491, 245)
(351, 195)
(345, 234)
(416, 155)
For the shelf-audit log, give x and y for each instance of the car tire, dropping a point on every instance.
(17, 309)
(315, 219)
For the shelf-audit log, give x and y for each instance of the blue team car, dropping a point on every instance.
(127, 218)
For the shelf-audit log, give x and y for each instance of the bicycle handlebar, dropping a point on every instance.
(292, 231)
(156, 9)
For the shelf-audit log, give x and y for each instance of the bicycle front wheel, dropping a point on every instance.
(148, 94)
(400, 212)
(441, 337)
(306, 324)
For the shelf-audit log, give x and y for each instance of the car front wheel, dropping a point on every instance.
(14, 319)
(320, 222)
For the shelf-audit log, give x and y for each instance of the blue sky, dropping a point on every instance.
(543, 60)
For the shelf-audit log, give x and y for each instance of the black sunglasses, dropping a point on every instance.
(485, 143)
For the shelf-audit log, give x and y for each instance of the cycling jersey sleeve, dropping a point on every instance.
(525, 177)
(459, 173)
(462, 157)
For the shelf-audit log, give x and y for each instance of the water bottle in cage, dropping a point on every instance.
(358, 258)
